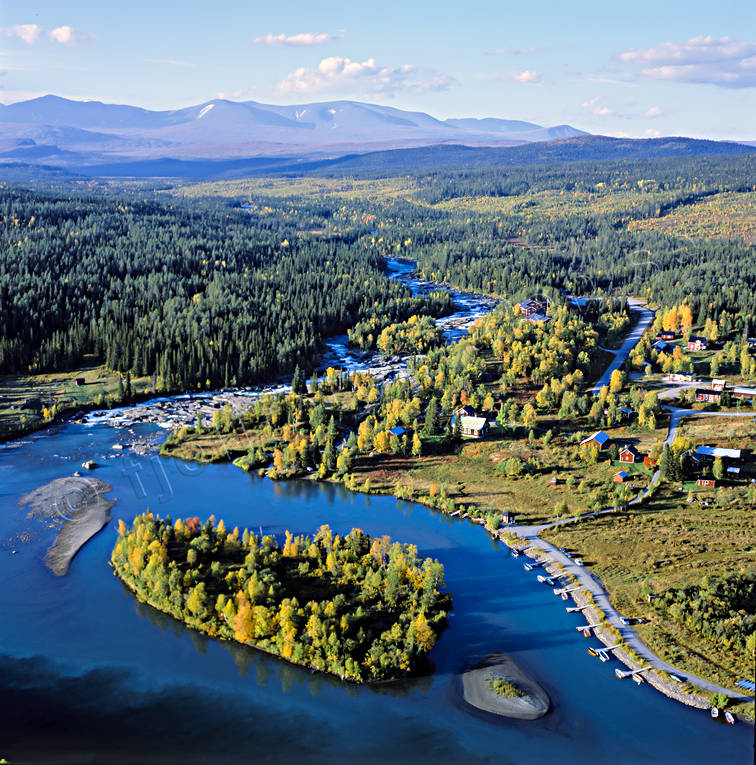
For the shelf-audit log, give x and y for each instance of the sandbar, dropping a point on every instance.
(78, 507)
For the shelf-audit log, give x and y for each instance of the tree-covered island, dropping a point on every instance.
(364, 609)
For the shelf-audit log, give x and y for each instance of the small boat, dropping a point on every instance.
(527, 566)
(730, 718)
(587, 632)
(603, 655)
(545, 580)
(565, 596)
(592, 651)
(515, 553)
(714, 713)
(638, 679)
(675, 678)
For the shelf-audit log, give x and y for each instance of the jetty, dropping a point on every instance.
(623, 673)
(587, 627)
(566, 590)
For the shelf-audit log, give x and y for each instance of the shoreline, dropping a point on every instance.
(596, 615)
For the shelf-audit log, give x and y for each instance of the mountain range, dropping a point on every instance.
(59, 131)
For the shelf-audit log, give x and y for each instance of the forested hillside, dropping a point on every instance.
(198, 297)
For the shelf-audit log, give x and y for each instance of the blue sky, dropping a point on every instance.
(640, 69)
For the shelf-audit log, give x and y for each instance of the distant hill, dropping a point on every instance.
(221, 129)
(418, 160)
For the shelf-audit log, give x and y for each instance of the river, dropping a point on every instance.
(87, 674)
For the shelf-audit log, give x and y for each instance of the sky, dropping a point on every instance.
(641, 69)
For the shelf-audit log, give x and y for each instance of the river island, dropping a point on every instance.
(364, 609)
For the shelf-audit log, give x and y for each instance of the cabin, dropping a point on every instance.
(473, 427)
(707, 483)
(599, 438)
(629, 454)
(507, 517)
(751, 342)
(555, 481)
(666, 334)
(744, 394)
(624, 412)
(697, 343)
(718, 384)
(708, 396)
(710, 453)
(398, 431)
(620, 477)
(681, 377)
(465, 411)
(662, 346)
(531, 307)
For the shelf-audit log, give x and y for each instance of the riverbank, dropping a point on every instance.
(592, 600)
(78, 507)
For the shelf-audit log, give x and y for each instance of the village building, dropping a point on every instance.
(662, 346)
(398, 431)
(531, 307)
(473, 427)
(710, 453)
(507, 517)
(620, 477)
(666, 334)
(629, 454)
(707, 483)
(718, 384)
(599, 439)
(681, 377)
(743, 394)
(697, 343)
(465, 411)
(708, 396)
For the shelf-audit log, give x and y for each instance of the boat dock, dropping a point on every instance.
(566, 590)
(623, 673)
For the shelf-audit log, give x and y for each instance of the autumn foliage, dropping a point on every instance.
(358, 607)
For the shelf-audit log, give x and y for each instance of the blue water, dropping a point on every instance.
(89, 675)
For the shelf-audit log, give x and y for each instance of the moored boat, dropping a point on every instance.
(592, 651)
(714, 713)
(730, 718)
(603, 655)
(637, 679)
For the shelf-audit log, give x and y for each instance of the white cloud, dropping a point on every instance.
(32, 33)
(344, 75)
(654, 111)
(721, 61)
(597, 106)
(29, 33)
(65, 35)
(298, 40)
(651, 133)
(524, 76)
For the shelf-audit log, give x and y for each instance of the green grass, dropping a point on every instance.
(59, 389)
(663, 543)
